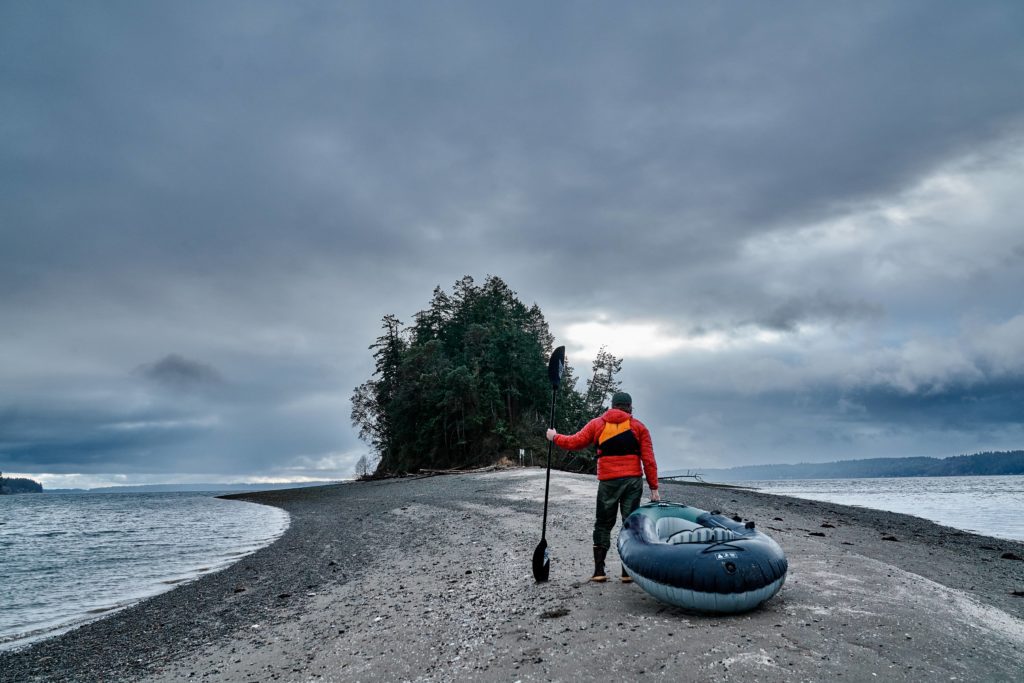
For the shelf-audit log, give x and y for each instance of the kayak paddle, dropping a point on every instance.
(541, 560)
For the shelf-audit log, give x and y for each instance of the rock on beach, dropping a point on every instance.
(429, 579)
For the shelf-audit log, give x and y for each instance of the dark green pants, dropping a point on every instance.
(615, 495)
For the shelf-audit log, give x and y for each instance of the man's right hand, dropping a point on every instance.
(551, 434)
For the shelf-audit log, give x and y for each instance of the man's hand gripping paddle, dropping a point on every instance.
(541, 561)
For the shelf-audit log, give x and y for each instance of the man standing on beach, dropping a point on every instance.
(624, 455)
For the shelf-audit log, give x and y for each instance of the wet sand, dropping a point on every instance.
(430, 580)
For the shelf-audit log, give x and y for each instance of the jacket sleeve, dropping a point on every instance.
(581, 439)
(647, 455)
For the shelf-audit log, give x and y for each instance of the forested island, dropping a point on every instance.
(18, 485)
(466, 384)
(989, 463)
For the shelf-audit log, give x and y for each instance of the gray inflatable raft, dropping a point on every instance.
(700, 560)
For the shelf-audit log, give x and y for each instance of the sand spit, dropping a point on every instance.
(429, 580)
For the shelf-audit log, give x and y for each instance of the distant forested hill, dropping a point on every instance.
(1008, 462)
(19, 486)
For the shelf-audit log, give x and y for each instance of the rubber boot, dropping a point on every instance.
(599, 554)
(626, 578)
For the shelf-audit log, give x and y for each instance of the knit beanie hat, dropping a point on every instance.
(621, 398)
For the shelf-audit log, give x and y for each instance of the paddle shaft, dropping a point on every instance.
(547, 479)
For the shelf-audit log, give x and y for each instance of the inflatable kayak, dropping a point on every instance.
(700, 560)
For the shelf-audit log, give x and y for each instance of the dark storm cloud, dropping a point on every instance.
(255, 184)
(962, 407)
(180, 373)
(788, 314)
(91, 440)
(216, 134)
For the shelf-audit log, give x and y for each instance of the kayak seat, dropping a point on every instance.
(667, 526)
(702, 535)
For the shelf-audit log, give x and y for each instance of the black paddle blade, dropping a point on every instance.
(541, 562)
(556, 366)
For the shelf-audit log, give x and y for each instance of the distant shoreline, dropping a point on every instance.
(976, 465)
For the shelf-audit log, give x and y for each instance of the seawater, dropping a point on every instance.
(66, 559)
(991, 506)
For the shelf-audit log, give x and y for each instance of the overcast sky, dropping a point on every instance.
(798, 223)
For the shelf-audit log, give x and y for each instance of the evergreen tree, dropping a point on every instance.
(602, 384)
(373, 403)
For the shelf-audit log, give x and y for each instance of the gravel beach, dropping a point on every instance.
(429, 579)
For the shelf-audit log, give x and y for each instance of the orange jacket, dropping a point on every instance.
(616, 466)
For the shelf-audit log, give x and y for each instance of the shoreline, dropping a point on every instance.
(429, 579)
(58, 608)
